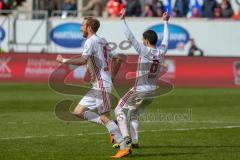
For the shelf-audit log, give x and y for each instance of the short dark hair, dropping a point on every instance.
(151, 36)
(93, 23)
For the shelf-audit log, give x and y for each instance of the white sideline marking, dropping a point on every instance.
(60, 135)
(177, 122)
(190, 129)
(11, 122)
(103, 133)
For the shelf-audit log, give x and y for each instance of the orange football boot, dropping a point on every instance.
(122, 153)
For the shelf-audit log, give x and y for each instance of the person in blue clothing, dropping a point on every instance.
(181, 8)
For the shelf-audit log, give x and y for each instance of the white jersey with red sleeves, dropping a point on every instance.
(97, 53)
(150, 60)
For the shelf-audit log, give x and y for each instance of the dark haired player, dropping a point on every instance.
(149, 65)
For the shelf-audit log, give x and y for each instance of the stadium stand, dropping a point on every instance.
(135, 8)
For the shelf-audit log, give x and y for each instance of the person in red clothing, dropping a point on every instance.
(148, 11)
(114, 7)
(6, 5)
(1, 5)
(237, 15)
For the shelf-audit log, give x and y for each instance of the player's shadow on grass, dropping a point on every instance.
(213, 146)
(164, 154)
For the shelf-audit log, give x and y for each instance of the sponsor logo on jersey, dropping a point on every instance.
(179, 36)
(67, 35)
(2, 34)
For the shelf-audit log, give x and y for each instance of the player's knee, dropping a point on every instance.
(117, 110)
(132, 114)
(119, 113)
(79, 112)
(105, 118)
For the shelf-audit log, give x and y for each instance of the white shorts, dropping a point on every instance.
(135, 98)
(97, 99)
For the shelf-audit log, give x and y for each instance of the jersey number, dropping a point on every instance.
(153, 69)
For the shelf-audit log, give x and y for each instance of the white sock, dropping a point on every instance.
(113, 129)
(134, 130)
(134, 123)
(92, 117)
(122, 121)
(123, 145)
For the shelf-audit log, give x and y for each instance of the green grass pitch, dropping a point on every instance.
(29, 128)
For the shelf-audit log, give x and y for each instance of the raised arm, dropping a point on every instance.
(164, 44)
(128, 33)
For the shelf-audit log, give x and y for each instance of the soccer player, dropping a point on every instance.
(96, 55)
(149, 68)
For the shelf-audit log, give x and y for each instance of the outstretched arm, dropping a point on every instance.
(164, 44)
(128, 33)
(77, 60)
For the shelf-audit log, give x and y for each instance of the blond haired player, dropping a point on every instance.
(96, 55)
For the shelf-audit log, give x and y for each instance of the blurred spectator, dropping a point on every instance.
(148, 11)
(6, 4)
(114, 7)
(50, 6)
(19, 2)
(195, 8)
(237, 15)
(158, 7)
(69, 7)
(209, 7)
(1, 5)
(93, 7)
(133, 8)
(227, 10)
(181, 8)
(218, 12)
(194, 50)
(195, 12)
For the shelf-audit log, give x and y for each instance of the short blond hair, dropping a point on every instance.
(93, 23)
